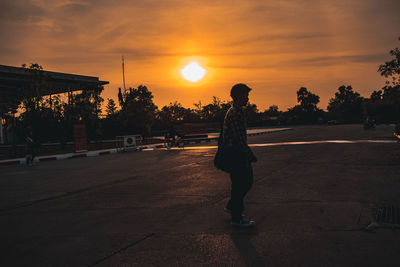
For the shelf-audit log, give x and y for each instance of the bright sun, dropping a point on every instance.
(193, 72)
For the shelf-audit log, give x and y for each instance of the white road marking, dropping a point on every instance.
(294, 143)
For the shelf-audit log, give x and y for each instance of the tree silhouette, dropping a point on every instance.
(252, 114)
(270, 116)
(111, 125)
(308, 101)
(346, 106)
(111, 108)
(376, 96)
(272, 110)
(391, 69)
(215, 111)
(138, 111)
(307, 110)
(172, 114)
(385, 104)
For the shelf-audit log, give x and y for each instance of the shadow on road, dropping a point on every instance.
(242, 240)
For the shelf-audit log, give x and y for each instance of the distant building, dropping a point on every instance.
(17, 83)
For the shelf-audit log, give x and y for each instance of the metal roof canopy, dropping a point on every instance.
(14, 81)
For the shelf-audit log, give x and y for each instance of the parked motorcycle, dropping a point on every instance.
(369, 124)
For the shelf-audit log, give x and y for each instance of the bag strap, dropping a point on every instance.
(221, 136)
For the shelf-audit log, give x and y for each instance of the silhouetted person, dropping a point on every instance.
(234, 135)
(30, 149)
(369, 123)
(172, 134)
(170, 137)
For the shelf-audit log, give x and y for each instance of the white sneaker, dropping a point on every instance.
(229, 211)
(243, 223)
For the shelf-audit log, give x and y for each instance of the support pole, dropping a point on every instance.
(1, 131)
(123, 73)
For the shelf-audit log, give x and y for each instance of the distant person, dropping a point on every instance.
(30, 149)
(172, 134)
(369, 123)
(170, 137)
(234, 135)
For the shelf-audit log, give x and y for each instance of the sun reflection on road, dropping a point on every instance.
(293, 143)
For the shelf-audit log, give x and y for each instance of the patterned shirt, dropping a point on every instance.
(234, 133)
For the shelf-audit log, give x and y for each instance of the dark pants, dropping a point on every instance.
(242, 180)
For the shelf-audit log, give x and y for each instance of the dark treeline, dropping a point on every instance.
(52, 118)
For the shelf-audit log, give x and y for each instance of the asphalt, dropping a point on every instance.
(311, 203)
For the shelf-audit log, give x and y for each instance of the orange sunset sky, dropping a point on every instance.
(274, 46)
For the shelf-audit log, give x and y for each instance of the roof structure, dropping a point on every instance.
(17, 82)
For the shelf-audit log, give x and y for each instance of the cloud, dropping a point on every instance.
(19, 11)
(75, 9)
(293, 36)
(333, 60)
(309, 61)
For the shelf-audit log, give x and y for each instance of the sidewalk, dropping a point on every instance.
(211, 138)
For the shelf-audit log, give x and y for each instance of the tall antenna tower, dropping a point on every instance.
(123, 72)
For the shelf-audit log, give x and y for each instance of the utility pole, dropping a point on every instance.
(123, 73)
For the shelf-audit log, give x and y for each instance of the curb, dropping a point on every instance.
(114, 150)
(22, 161)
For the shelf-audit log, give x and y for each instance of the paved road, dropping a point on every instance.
(164, 208)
